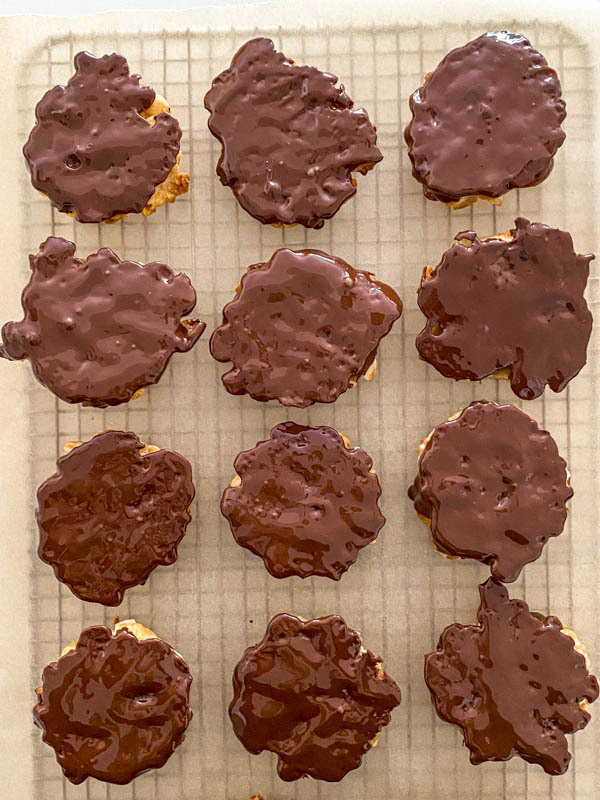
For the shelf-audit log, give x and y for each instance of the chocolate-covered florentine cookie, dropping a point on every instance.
(96, 331)
(304, 502)
(515, 684)
(486, 120)
(311, 694)
(113, 512)
(493, 487)
(512, 305)
(303, 327)
(291, 138)
(115, 704)
(103, 146)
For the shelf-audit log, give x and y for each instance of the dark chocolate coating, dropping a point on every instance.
(109, 515)
(308, 694)
(517, 305)
(96, 331)
(494, 487)
(301, 326)
(513, 683)
(90, 152)
(291, 138)
(114, 707)
(306, 504)
(486, 120)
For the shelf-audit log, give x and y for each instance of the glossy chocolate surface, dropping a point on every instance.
(494, 487)
(486, 120)
(291, 138)
(308, 694)
(301, 327)
(306, 504)
(90, 152)
(516, 305)
(110, 515)
(115, 706)
(96, 331)
(513, 683)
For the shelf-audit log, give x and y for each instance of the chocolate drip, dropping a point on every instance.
(422, 505)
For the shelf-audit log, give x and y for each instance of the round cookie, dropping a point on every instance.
(290, 137)
(115, 704)
(310, 693)
(303, 327)
(113, 512)
(511, 305)
(486, 120)
(304, 502)
(97, 331)
(515, 684)
(493, 487)
(103, 146)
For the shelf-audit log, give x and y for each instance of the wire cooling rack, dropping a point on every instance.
(217, 598)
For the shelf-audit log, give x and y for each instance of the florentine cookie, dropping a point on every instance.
(113, 512)
(304, 502)
(486, 120)
(291, 138)
(103, 146)
(512, 305)
(311, 694)
(303, 328)
(515, 684)
(493, 487)
(96, 331)
(115, 704)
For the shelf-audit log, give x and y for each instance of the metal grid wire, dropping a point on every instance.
(217, 598)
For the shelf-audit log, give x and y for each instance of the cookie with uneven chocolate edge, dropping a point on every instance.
(303, 328)
(493, 487)
(486, 120)
(515, 684)
(112, 512)
(511, 306)
(96, 331)
(290, 137)
(304, 502)
(311, 694)
(103, 146)
(115, 704)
